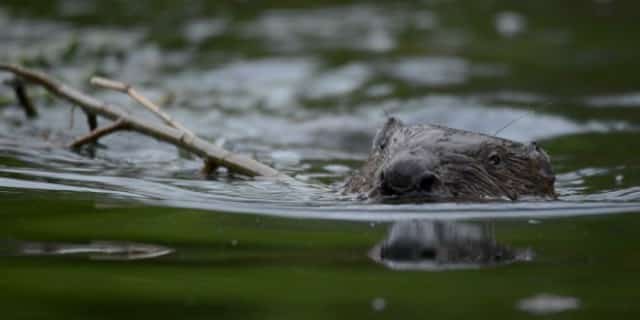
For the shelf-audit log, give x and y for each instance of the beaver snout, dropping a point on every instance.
(408, 175)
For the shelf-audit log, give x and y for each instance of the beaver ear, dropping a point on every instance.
(393, 122)
(383, 134)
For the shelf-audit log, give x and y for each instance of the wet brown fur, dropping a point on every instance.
(468, 166)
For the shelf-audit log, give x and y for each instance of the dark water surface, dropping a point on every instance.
(130, 230)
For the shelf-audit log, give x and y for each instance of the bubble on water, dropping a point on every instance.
(544, 304)
(510, 23)
(534, 221)
(619, 179)
(234, 243)
(378, 304)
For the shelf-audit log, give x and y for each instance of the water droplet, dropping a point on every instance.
(234, 243)
(548, 304)
(378, 304)
(510, 24)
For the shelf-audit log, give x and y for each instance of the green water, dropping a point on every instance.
(282, 268)
(303, 85)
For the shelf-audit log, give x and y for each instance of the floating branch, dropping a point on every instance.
(170, 132)
(144, 101)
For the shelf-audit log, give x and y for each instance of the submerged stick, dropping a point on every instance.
(23, 98)
(92, 121)
(182, 139)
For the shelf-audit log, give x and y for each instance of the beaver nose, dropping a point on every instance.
(427, 181)
(407, 175)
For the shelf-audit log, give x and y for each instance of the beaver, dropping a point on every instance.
(435, 163)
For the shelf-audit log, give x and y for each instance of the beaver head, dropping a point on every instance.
(434, 163)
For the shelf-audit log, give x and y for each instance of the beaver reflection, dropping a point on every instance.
(436, 245)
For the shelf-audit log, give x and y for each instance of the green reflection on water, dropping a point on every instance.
(282, 268)
(568, 48)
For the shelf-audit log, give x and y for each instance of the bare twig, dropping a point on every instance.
(23, 98)
(233, 162)
(135, 95)
(98, 133)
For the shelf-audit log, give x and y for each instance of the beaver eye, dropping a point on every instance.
(535, 146)
(379, 141)
(494, 159)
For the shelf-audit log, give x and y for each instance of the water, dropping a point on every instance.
(303, 88)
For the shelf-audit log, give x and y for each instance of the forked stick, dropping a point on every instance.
(144, 101)
(212, 154)
(98, 133)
